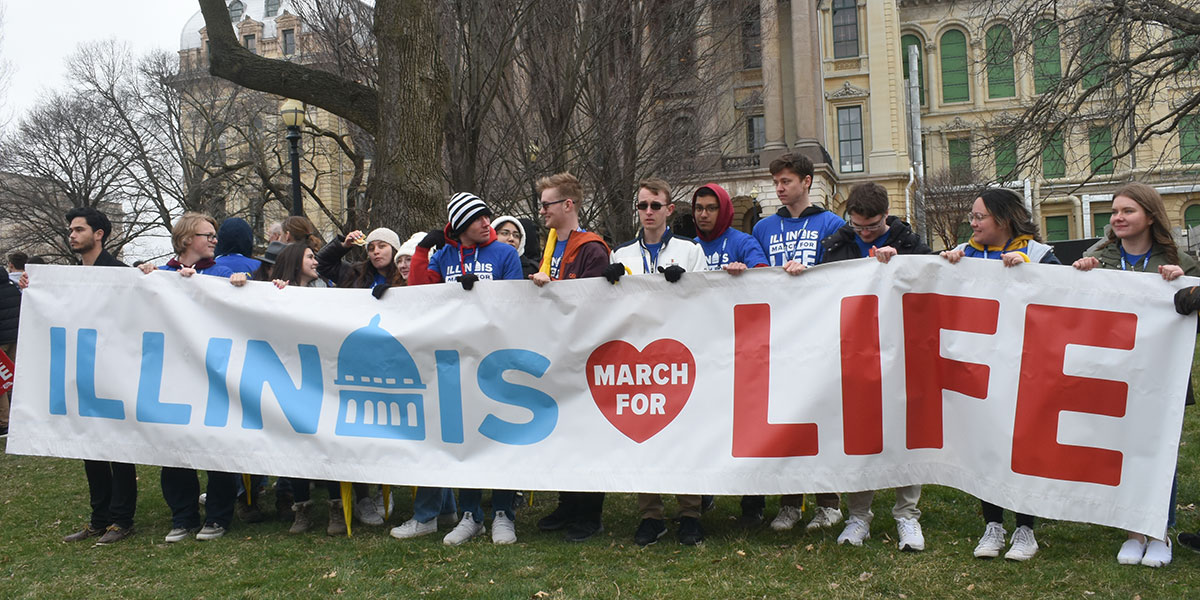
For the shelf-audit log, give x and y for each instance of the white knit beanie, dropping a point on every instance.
(409, 247)
(521, 228)
(383, 234)
(464, 207)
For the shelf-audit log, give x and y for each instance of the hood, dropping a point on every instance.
(235, 237)
(520, 227)
(812, 209)
(533, 240)
(451, 240)
(409, 247)
(724, 215)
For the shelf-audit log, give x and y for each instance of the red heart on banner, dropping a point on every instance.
(641, 392)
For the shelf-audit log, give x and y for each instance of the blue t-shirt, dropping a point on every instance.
(796, 238)
(560, 248)
(730, 247)
(865, 248)
(239, 264)
(653, 249)
(215, 270)
(490, 261)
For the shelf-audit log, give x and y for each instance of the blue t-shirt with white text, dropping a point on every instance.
(796, 238)
(492, 261)
(730, 247)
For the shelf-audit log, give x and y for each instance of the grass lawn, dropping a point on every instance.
(42, 499)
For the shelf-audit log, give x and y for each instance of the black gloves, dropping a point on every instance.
(433, 238)
(614, 272)
(468, 281)
(672, 272)
(1187, 300)
(378, 290)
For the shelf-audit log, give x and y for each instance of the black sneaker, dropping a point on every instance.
(1191, 541)
(581, 531)
(751, 518)
(559, 519)
(248, 514)
(690, 531)
(649, 531)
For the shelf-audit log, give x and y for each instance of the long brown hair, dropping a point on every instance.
(1160, 226)
(301, 230)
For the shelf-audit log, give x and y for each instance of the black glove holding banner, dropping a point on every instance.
(672, 272)
(614, 272)
(378, 290)
(468, 281)
(433, 238)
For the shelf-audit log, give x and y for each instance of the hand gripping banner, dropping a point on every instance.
(1039, 388)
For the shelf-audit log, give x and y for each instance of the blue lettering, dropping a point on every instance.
(449, 396)
(543, 407)
(85, 381)
(58, 371)
(301, 406)
(216, 364)
(150, 409)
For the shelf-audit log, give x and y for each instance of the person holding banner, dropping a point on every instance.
(1003, 230)
(571, 253)
(791, 238)
(872, 232)
(469, 253)
(10, 314)
(297, 265)
(379, 268)
(724, 247)
(1140, 240)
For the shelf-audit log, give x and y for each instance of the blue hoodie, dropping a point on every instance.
(785, 238)
(489, 260)
(235, 244)
(724, 244)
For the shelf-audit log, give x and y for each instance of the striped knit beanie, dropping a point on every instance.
(464, 208)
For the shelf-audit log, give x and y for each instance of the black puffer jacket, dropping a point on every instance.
(10, 308)
(840, 245)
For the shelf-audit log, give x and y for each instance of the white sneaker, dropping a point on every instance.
(366, 513)
(211, 531)
(1024, 545)
(825, 517)
(856, 531)
(467, 528)
(1131, 552)
(383, 511)
(992, 541)
(786, 519)
(413, 528)
(203, 498)
(504, 531)
(1158, 553)
(911, 538)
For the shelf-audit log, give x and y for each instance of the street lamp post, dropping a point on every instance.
(292, 113)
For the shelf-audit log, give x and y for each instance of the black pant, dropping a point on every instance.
(753, 504)
(181, 490)
(302, 492)
(112, 488)
(583, 506)
(995, 514)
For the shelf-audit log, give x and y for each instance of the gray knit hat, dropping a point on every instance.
(383, 234)
(464, 208)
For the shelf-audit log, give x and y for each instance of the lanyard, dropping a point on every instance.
(1137, 258)
(647, 267)
(795, 246)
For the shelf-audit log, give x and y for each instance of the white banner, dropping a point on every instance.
(1038, 388)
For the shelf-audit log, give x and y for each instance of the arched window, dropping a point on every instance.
(236, 9)
(906, 41)
(1191, 216)
(1001, 83)
(956, 81)
(270, 8)
(1047, 56)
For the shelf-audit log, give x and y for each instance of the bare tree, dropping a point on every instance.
(949, 195)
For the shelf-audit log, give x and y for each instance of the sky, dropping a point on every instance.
(39, 35)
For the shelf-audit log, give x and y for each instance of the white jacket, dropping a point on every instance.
(675, 251)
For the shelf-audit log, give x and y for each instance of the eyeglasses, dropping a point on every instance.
(212, 237)
(702, 208)
(547, 205)
(865, 228)
(977, 217)
(509, 233)
(649, 205)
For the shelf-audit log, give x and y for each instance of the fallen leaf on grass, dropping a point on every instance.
(799, 568)
(809, 547)
(864, 576)
(833, 585)
(903, 596)
(970, 587)
(329, 575)
(741, 552)
(1087, 593)
(491, 581)
(537, 595)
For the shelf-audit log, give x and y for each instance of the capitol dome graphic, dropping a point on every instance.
(381, 387)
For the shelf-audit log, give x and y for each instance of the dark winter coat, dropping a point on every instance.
(841, 245)
(10, 309)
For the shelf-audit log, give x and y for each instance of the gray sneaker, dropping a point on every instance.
(179, 534)
(211, 531)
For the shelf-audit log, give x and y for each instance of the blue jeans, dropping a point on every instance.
(502, 500)
(431, 502)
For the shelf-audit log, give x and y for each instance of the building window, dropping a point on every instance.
(236, 9)
(1001, 82)
(1191, 216)
(289, 42)
(249, 42)
(752, 38)
(756, 134)
(845, 28)
(964, 233)
(1099, 220)
(1047, 56)
(1100, 146)
(1006, 159)
(956, 83)
(906, 41)
(1189, 139)
(270, 8)
(1058, 228)
(1093, 55)
(960, 155)
(1054, 163)
(850, 139)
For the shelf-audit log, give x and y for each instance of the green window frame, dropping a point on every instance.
(1189, 140)
(956, 78)
(964, 233)
(1006, 159)
(1100, 147)
(959, 151)
(907, 40)
(1054, 163)
(1000, 76)
(1099, 220)
(1047, 56)
(1191, 216)
(1093, 54)
(1058, 228)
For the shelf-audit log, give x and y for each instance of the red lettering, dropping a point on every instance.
(753, 436)
(927, 373)
(862, 376)
(1044, 392)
